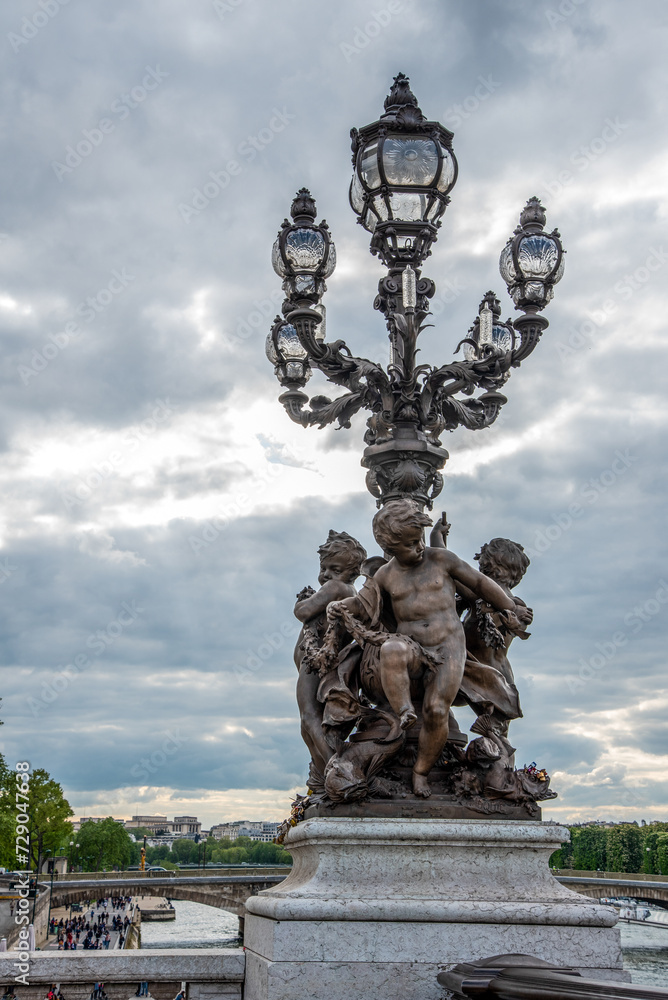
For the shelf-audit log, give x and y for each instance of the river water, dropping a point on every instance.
(197, 926)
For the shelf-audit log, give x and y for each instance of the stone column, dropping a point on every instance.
(376, 908)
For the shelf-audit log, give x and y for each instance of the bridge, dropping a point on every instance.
(230, 892)
(227, 892)
(646, 888)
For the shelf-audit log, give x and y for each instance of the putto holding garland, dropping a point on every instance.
(377, 683)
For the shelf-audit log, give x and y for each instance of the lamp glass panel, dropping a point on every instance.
(289, 344)
(447, 177)
(408, 160)
(357, 194)
(305, 284)
(380, 205)
(297, 370)
(537, 256)
(270, 350)
(277, 260)
(331, 261)
(369, 166)
(305, 249)
(370, 221)
(502, 338)
(534, 291)
(408, 207)
(506, 265)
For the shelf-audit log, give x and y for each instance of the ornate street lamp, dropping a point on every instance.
(404, 169)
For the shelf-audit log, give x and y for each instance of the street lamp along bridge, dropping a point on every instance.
(404, 169)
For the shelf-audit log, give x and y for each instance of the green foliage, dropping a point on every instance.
(7, 818)
(589, 848)
(563, 858)
(186, 852)
(48, 816)
(662, 854)
(625, 851)
(103, 845)
(251, 851)
(140, 832)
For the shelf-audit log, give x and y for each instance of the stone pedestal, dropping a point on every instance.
(376, 908)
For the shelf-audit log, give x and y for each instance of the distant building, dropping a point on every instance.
(256, 830)
(181, 827)
(76, 825)
(155, 824)
(185, 825)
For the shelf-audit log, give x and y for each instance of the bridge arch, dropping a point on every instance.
(645, 892)
(224, 893)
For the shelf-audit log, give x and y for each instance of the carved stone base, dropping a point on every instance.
(435, 807)
(378, 907)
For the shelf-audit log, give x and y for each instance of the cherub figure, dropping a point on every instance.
(488, 685)
(411, 599)
(341, 558)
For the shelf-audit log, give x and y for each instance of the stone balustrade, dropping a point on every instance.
(210, 974)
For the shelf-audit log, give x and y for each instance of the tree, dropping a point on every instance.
(7, 818)
(589, 848)
(105, 844)
(563, 858)
(48, 813)
(662, 853)
(625, 848)
(185, 851)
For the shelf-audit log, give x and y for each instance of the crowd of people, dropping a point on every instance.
(93, 930)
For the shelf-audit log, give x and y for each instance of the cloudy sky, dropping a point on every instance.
(160, 511)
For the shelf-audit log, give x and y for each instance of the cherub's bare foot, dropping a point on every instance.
(421, 785)
(407, 719)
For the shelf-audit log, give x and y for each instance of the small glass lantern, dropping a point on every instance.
(488, 331)
(404, 169)
(532, 262)
(303, 254)
(284, 349)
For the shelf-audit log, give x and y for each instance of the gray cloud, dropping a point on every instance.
(186, 322)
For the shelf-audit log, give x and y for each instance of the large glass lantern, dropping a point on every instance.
(404, 168)
(488, 331)
(286, 353)
(532, 262)
(303, 254)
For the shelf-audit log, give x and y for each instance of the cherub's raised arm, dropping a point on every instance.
(480, 584)
(353, 605)
(313, 606)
